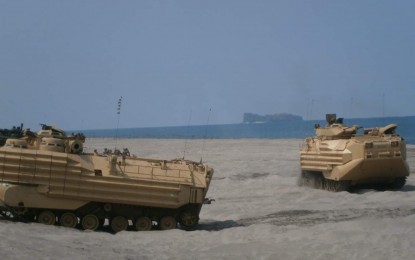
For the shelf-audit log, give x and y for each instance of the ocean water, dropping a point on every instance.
(279, 130)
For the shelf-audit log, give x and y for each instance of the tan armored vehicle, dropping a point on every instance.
(338, 158)
(46, 177)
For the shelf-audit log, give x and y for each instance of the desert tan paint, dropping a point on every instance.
(377, 156)
(39, 178)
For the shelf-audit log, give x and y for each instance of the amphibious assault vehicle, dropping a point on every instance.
(338, 158)
(47, 177)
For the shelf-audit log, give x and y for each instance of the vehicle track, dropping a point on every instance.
(302, 217)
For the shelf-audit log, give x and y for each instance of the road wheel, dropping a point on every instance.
(398, 183)
(107, 207)
(167, 222)
(68, 219)
(188, 219)
(143, 224)
(46, 217)
(119, 223)
(90, 222)
(336, 186)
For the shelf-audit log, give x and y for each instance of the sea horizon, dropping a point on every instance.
(267, 130)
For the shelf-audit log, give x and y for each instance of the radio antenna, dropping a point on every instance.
(118, 121)
(187, 133)
(205, 137)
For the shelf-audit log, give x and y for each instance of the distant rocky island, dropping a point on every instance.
(250, 118)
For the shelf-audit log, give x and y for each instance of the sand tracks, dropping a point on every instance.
(309, 217)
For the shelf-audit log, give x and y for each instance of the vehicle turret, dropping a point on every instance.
(335, 129)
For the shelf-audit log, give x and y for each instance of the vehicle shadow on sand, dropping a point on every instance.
(369, 188)
(217, 225)
(408, 188)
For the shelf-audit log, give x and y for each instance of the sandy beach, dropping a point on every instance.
(259, 213)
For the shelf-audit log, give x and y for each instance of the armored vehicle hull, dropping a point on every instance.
(52, 181)
(337, 158)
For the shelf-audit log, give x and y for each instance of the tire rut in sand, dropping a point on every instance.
(314, 217)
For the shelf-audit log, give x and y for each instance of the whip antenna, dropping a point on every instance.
(118, 121)
(187, 134)
(204, 138)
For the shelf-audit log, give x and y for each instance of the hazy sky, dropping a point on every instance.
(67, 62)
